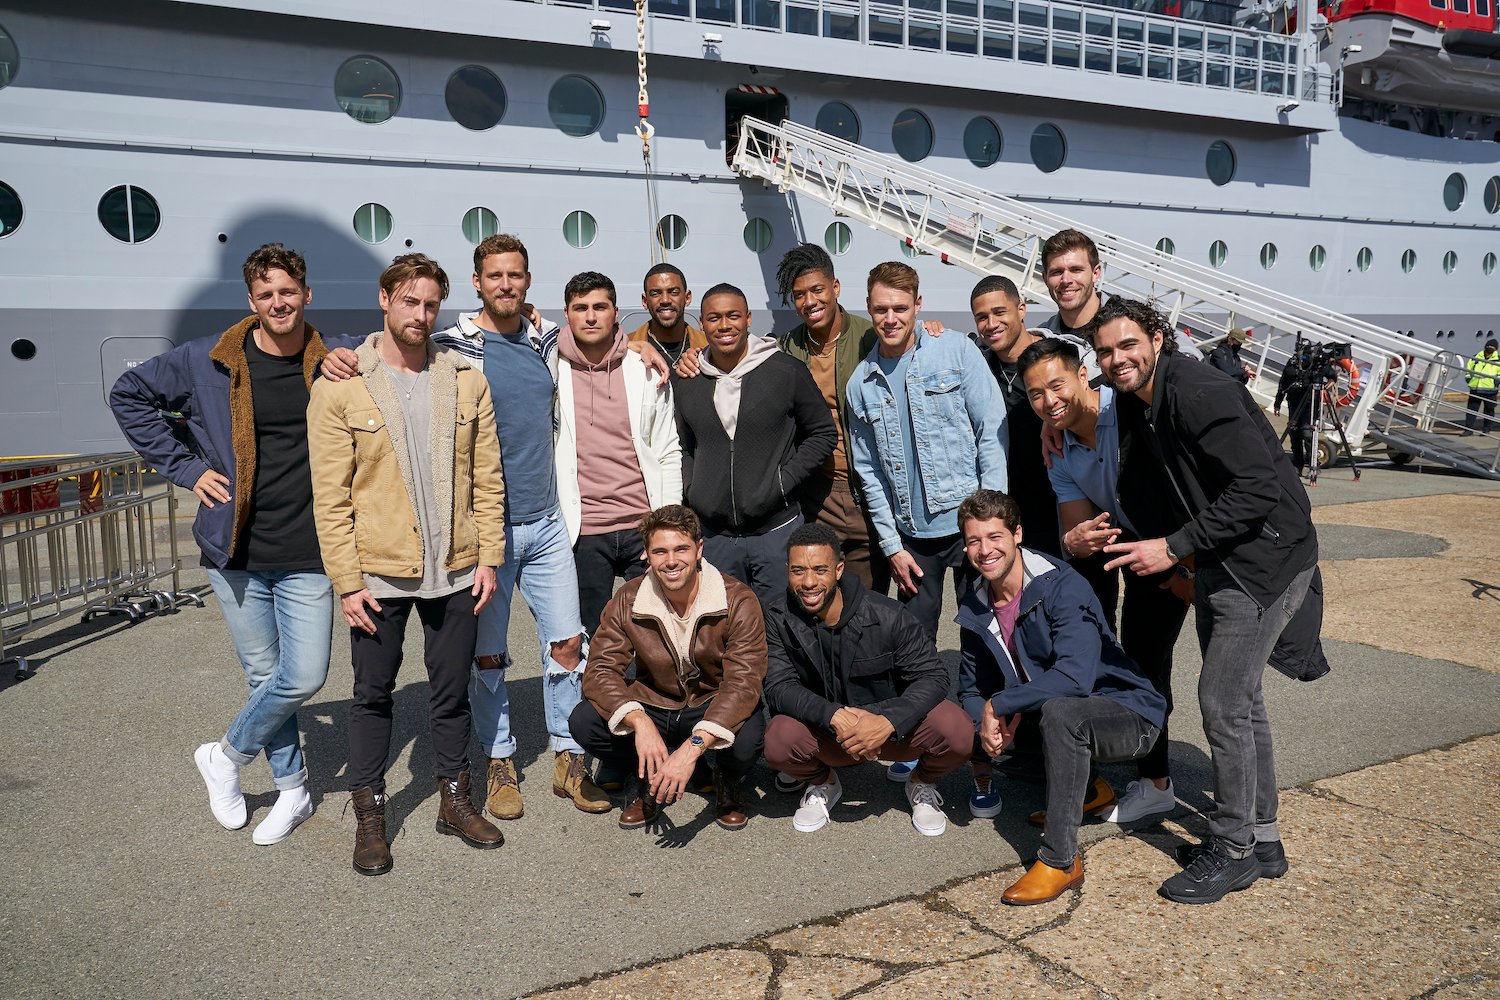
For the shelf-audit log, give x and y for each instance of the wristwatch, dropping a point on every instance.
(1170, 554)
(698, 742)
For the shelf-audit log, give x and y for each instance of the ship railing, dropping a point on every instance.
(85, 535)
(1190, 42)
(990, 233)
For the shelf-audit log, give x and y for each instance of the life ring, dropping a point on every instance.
(1351, 393)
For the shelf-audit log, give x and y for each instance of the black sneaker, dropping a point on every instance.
(789, 785)
(1269, 854)
(1212, 876)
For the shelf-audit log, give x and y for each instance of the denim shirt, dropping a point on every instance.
(957, 420)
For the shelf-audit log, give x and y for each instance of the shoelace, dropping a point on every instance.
(576, 767)
(819, 795)
(462, 807)
(923, 794)
(505, 774)
(369, 822)
(1206, 864)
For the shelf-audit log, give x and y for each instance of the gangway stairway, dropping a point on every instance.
(989, 233)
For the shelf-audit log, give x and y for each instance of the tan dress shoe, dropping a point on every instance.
(503, 789)
(1043, 883)
(570, 780)
(1101, 799)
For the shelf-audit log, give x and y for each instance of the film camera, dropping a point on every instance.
(1313, 363)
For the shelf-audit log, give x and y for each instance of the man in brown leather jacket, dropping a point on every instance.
(698, 643)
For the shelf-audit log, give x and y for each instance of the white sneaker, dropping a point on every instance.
(926, 808)
(1142, 798)
(812, 814)
(222, 776)
(292, 806)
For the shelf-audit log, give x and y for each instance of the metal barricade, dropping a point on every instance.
(86, 535)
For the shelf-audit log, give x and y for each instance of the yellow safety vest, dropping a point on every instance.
(1484, 369)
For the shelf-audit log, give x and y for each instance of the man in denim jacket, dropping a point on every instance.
(928, 428)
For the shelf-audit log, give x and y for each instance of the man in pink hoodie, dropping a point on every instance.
(617, 453)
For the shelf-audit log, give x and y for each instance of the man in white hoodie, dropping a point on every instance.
(759, 423)
(618, 455)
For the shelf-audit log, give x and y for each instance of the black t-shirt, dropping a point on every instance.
(279, 533)
(672, 350)
(1029, 485)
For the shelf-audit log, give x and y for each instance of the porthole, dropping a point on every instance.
(982, 142)
(480, 223)
(1489, 263)
(372, 222)
(367, 89)
(22, 350)
(1166, 246)
(758, 235)
(1317, 257)
(580, 229)
(10, 210)
(1364, 258)
(911, 135)
(671, 232)
(1450, 262)
(1454, 190)
(129, 214)
(475, 98)
(1492, 195)
(1049, 149)
(10, 58)
(576, 106)
(837, 238)
(1217, 253)
(838, 120)
(1220, 162)
(1268, 256)
(1408, 260)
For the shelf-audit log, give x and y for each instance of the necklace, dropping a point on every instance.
(408, 383)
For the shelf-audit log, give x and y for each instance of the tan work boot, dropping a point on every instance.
(457, 816)
(503, 789)
(570, 780)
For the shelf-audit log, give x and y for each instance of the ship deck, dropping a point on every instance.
(119, 883)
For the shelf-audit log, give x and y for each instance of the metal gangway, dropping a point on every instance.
(89, 535)
(1413, 399)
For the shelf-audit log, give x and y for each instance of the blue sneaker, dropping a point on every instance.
(984, 801)
(900, 771)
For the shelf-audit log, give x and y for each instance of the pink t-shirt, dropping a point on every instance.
(1005, 616)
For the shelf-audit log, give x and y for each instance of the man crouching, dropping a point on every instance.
(1033, 637)
(853, 676)
(698, 643)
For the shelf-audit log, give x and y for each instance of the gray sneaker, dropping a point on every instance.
(812, 815)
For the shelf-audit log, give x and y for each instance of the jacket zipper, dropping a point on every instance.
(734, 511)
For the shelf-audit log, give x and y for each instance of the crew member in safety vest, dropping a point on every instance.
(1484, 384)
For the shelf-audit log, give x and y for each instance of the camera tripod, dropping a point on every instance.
(1322, 402)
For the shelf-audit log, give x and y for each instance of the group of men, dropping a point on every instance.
(730, 481)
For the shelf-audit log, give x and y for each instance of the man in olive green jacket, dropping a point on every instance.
(409, 503)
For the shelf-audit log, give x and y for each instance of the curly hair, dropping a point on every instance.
(672, 517)
(500, 243)
(799, 260)
(987, 505)
(1142, 314)
(274, 257)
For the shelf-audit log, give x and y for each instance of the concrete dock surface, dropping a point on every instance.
(116, 881)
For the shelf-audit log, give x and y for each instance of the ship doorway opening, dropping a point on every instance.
(766, 103)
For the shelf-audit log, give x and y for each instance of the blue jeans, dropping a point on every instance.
(1237, 636)
(282, 626)
(539, 558)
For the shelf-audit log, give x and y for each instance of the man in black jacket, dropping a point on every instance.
(1246, 518)
(753, 430)
(852, 676)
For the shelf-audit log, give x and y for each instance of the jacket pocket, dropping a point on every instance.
(367, 428)
(945, 447)
(466, 428)
(871, 679)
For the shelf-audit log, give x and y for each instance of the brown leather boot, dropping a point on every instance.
(570, 780)
(642, 808)
(457, 816)
(729, 801)
(503, 789)
(372, 855)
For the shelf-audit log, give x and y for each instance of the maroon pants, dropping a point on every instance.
(941, 743)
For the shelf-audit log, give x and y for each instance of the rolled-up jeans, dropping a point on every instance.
(538, 559)
(1076, 733)
(1237, 636)
(281, 622)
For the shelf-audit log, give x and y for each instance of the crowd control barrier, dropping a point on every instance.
(88, 535)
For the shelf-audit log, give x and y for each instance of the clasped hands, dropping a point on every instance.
(862, 734)
(995, 733)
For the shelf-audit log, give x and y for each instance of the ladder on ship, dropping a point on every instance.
(1414, 399)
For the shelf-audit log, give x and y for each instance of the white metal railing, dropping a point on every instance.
(989, 233)
(1191, 42)
(86, 535)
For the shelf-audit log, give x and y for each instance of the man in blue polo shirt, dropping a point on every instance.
(1092, 495)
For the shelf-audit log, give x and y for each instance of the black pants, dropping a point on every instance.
(1149, 624)
(1076, 733)
(675, 725)
(601, 558)
(757, 561)
(448, 627)
(935, 556)
(1480, 398)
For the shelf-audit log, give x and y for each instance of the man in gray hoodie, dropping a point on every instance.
(761, 426)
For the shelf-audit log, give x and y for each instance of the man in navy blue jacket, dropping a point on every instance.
(1033, 638)
(244, 396)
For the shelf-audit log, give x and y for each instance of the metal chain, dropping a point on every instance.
(645, 130)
